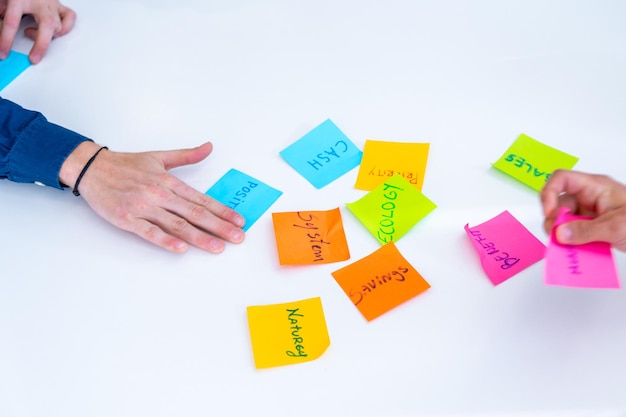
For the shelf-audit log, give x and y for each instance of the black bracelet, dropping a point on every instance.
(80, 176)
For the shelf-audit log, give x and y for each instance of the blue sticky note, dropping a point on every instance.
(244, 194)
(322, 155)
(12, 66)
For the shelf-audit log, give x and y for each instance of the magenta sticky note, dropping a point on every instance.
(582, 266)
(505, 246)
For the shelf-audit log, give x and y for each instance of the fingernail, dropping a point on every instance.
(240, 221)
(216, 246)
(35, 59)
(3, 55)
(564, 234)
(180, 246)
(237, 235)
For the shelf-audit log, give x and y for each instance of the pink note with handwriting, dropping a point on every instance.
(505, 246)
(583, 266)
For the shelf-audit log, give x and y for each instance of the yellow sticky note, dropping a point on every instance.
(532, 162)
(382, 160)
(289, 333)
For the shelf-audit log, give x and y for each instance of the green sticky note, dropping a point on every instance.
(391, 209)
(532, 162)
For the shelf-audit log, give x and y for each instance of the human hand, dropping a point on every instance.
(135, 192)
(596, 196)
(51, 17)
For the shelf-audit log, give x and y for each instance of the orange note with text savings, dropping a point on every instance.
(380, 281)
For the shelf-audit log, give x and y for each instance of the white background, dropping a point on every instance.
(96, 322)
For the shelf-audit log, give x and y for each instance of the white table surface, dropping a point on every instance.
(96, 322)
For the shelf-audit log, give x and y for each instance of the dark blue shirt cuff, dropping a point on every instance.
(39, 152)
(32, 149)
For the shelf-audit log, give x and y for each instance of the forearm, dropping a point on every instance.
(33, 150)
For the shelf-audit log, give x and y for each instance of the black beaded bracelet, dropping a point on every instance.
(80, 176)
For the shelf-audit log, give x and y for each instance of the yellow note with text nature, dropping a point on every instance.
(288, 333)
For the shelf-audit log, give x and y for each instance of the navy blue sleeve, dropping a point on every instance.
(32, 149)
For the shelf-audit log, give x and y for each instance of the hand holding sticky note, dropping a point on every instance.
(590, 265)
(289, 333)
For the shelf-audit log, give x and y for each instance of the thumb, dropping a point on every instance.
(578, 232)
(181, 157)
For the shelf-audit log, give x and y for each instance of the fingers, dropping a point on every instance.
(68, 19)
(175, 223)
(42, 35)
(10, 25)
(195, 200)
(197, 218)
(563, 200)
(557, 192)
(155, 235)
(176, 234)
(204, 224)
(204, 214)
(181, 157)
(584, 194)
(561, 182)
(610, 228)
(48, 28)
(52, 20)
(598, 197)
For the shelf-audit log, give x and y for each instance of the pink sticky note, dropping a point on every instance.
(583, 266)
(505, 246)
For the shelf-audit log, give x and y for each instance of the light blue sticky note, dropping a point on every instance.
(322, 155)
(244, 194)
(12, 66)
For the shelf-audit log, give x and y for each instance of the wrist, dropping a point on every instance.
(76, 161)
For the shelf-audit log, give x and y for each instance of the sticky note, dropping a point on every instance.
(12, 66)
(322, 155)
(380, 281)
(310, 237)
(590, 265)
(288, 333)
(505, 246)
(244, 194)
(382, 160)
(391, 209)
(532, 162)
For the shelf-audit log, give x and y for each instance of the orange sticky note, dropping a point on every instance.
(380, 281)
(310, 237)
(382, 160)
